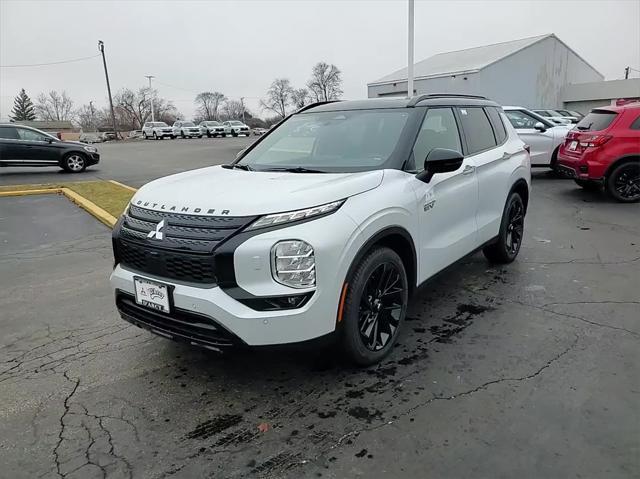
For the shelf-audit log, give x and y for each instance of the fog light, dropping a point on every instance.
(293, 264)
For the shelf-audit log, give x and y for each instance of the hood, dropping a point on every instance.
(217, 191)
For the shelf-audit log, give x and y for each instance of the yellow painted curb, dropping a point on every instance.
(130, 188)
(42, 191)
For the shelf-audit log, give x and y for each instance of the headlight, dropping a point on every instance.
(293, 264)
(91, 149)
(288, 217)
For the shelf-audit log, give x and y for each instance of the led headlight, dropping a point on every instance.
(289, 216)
(293, 264)
(90, 149)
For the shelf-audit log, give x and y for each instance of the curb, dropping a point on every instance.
(130, 188)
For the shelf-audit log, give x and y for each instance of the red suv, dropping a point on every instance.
(604, 149)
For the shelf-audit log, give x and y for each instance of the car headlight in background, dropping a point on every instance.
(293, 264)
(289, 216)
(91, 149)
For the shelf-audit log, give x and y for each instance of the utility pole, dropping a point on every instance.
(410, 53)
(626, 73)
(242, 103)
(93, 116)
(153, 116)
(106, 74)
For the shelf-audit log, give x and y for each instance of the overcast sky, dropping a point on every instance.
(239, 47)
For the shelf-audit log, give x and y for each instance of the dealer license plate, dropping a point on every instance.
(152, 295)
(573, 145)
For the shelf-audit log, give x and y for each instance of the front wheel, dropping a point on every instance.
(155, 136)
(74, 163)
(375, 306)
(507, 245)
(145, 136)
(623, 183)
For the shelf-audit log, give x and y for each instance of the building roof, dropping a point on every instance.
(48, 125)
(470, 60)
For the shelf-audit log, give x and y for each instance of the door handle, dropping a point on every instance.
(506, 156)
(468, 169)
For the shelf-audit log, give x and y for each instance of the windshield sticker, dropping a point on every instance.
(463, 111)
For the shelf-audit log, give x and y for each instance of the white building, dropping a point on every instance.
(530, 72)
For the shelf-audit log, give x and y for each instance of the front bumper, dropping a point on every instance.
(94, 159)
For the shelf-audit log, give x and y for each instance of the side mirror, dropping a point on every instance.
(440, 160)
(49, 140)
(540, 127)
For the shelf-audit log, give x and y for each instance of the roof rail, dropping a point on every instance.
(417, 99)
(311, 105)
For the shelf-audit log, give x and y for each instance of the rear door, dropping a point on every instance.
(9, 145)
(541, 142)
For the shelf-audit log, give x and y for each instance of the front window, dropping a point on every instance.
(159, 124)
(331, 142)
(596, 120)
(543, 113)
(522, 120)
(188, 123)
(32, 135)
(235, 123)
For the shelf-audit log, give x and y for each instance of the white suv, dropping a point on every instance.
(156, 130)
(186, 129)
(211, 128)
(324, 226)
(235, 128)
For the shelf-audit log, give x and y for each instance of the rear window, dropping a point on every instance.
(596, 120)
(636, 124)
(477, 129)
(498, 126)
(8, 133)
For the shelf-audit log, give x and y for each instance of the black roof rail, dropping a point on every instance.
(417, 99)
(311, 105)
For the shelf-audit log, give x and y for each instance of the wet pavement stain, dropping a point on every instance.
(462, 319)
(214, 426)
(364, 414)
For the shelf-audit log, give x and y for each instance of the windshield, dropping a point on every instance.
(235, 123)
(159, 123)
(331, 142)
(596, 120)
(212, 123)
(188, 123)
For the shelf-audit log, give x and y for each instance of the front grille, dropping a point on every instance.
(180, 325)
(185, 250)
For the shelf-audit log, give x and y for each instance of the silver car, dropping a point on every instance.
(186, 129)
(211, 128)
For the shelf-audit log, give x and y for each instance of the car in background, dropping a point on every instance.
(211, 128)
(604, 150)
(554, 116)
(543, 136)
(186, 129)
(259, 131)
(26, 146)
(90, 138)
(235, 128)
(574, 115)
(156, 130)
(134, 134)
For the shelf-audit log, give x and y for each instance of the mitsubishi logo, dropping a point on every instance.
(157, 233)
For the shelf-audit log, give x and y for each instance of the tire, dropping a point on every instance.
(553, 164)
(588, 184)
(155, 137)
(199, 136)
(505, 249)
(369, 326)
(224, 135)
(208, 135)
(182, 134)
(623, 183)
(173, 137)
(145, 136)
(74, 163)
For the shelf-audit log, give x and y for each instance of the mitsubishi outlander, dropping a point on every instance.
(325, 225)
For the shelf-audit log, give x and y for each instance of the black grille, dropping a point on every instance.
(185, 250)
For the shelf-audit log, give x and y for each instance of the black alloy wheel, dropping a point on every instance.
(623, 183)
(507, 245)
(515, 228)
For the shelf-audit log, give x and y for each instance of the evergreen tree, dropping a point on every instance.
(23, 109)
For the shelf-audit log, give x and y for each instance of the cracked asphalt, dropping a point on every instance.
(530, 370)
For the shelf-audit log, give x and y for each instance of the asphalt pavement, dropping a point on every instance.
(529, 370)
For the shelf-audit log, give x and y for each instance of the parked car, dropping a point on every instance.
(156, 130)
(135, 134)
(186, 129)
(554, 116)
(604, 150)
(26, 146)
(259, 131)
(543, 137)
(235, 128)
(353, 215)
(574, 115)
(211, 128)
(90, 138)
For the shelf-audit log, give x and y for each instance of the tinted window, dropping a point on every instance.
(31, 135)
(496, 122)
(477, 129)
(636, 124)
(439, 130)
(8, 132)
(596, 120)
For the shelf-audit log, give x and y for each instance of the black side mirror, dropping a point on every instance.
(540, 127)
(49, 140)
(440, 160)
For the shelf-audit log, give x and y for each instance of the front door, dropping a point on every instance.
(447, 204)
(38, 148)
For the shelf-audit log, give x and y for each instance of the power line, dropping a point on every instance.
(50, 63)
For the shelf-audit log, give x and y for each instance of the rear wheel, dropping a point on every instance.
(623, 183)
(375, 307)
(74, 163)
(155, 136)
(509, 240)
(588, 184)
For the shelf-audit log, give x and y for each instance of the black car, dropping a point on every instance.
(25, 146)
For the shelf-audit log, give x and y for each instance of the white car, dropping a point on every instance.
(186, 129)
(235, 128)
(259, 131)
(342, 223)
(555, 117)
(156, 130)
(211, 128)
(543, 137)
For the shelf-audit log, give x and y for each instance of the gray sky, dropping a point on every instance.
(239, 47)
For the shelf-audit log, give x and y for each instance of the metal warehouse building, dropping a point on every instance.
(529, 72)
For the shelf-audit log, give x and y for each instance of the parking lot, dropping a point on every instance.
(529, 370)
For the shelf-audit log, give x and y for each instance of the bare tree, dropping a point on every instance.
(209, 104)
(54, 106)
(89, 117)
(326, 82)
(135, 107)
(278, 97)
(300, 97)
(232, 110)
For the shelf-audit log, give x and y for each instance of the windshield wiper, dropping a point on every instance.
(588, 127)
(295, 169)
(238, 166)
